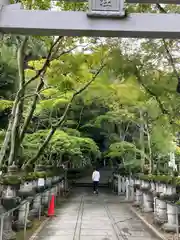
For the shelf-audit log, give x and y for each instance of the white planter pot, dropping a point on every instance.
(161, 211)
(45, 198)
(157, 187)
(23, 212)
(170, 189)
(171, 215)
(156, 207)
(137, 181)
(161, 188)
(131, 190)
(153, 187)
(147, 202)
(146, 184)
(138, 197)
(123, 185)
(119, 185)
(165, 189)
(127, 189)
(36, 208)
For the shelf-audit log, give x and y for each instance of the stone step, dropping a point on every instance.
(80, 184)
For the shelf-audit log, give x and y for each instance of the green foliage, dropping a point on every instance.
(106, 116)
(165, 179)
(8, 71)
(72, 132)
(5, 104)
(63, 146)
(11, 180)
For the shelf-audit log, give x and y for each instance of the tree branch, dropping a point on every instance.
(46, 63)
(32, 109)
(161, 106)
(169, 55)
(62, 119)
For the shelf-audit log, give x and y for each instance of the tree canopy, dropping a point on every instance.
(87, 99)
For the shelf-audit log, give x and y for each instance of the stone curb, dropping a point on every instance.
(35, 234)
(152, 228)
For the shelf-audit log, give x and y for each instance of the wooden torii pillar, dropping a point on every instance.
(106, 18)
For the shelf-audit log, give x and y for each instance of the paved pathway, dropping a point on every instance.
(90, 217)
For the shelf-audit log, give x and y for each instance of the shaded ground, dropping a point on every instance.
(90, 217)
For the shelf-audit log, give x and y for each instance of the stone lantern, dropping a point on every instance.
(11, 182)
(26, 193)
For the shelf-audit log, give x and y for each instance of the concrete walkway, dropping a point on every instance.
(90, 217)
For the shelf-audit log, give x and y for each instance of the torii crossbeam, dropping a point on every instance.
(66, 23)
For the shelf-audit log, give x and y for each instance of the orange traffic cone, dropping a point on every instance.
(51, 207)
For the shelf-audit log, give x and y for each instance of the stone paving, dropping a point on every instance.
(94, 217)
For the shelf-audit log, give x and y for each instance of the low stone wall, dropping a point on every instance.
(18, 208)
(150, 197)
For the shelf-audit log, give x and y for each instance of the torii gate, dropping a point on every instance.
(106, 18)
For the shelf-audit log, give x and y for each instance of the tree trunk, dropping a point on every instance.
(15, 143)
(151, 165)
(142, 139)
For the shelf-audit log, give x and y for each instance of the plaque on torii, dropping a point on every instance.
(106, 8)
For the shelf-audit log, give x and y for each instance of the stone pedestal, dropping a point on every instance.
(131, 190)
(62, 187)
(119, 185)
(161, 187)
(138, 198)
(161, 211)
(36, 206)
(170, 226)
(27, 190)
(127, 189)
(137, 182)
(147, 202)
(157, 187)
(155, 199)
(170, 189)
(8, 234)
(45, 198)
(153, 187)
(48, 182)
(23, 216)
(59, 188)
(123, 185)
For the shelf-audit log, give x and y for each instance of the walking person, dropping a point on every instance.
(95, 178)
